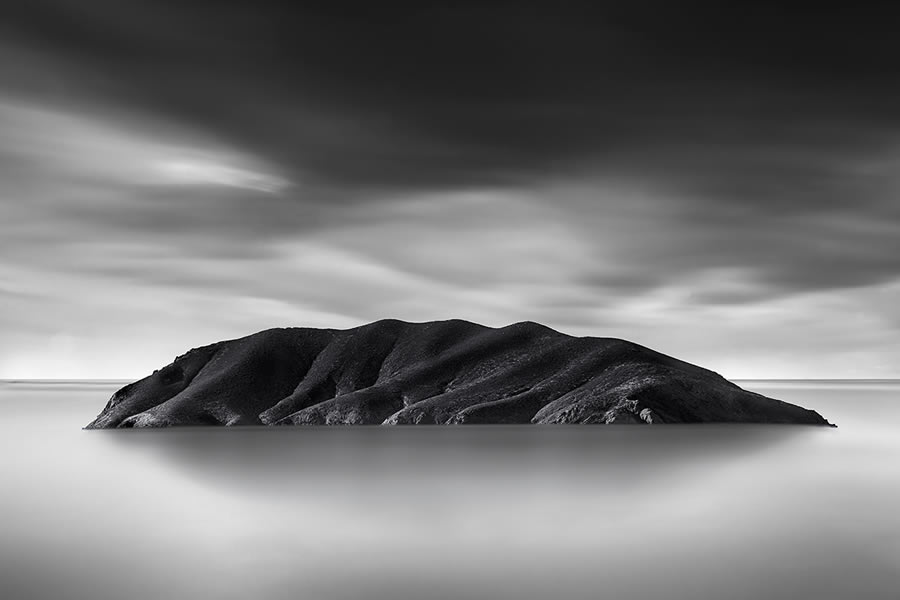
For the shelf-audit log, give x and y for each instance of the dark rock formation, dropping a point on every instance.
(444, 372)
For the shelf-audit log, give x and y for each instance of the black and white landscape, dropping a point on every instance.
(245, 246)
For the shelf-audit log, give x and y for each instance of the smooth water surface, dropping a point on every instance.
(620, 512)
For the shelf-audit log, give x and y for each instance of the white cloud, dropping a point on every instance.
(103, 275)
(59, 144)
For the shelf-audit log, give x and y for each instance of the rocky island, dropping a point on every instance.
(444, 372)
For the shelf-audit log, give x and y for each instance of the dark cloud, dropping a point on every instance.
(635, 169)
(435, 95)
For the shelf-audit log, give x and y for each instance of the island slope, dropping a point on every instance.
(444, 372)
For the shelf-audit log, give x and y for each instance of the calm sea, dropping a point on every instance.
(674, 512)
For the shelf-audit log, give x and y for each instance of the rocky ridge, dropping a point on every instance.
(443, 372)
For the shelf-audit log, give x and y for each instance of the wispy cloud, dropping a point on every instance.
(169, 185)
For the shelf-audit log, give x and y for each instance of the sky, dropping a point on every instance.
(717, 182)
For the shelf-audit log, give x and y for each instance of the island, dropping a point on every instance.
(454, 372)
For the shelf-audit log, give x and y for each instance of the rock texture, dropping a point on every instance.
(445, 372)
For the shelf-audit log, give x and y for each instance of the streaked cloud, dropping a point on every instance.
(64, 143)
(164, 185)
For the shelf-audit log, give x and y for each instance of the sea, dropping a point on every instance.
(478, 512)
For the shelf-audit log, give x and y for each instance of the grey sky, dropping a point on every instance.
(722, 188)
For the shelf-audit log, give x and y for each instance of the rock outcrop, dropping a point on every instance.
(445, 372)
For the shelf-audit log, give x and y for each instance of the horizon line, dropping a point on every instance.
(764, 379)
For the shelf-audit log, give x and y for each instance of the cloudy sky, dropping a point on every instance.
(721, 184)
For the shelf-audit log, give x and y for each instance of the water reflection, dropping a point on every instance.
(501, 512)
(612, 460)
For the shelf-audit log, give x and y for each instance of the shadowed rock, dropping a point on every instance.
(443, 372)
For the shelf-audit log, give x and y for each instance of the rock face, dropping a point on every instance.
(444, 372)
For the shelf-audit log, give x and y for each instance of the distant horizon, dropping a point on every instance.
(125, 380)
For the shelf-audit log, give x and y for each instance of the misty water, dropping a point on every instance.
(619, 512)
